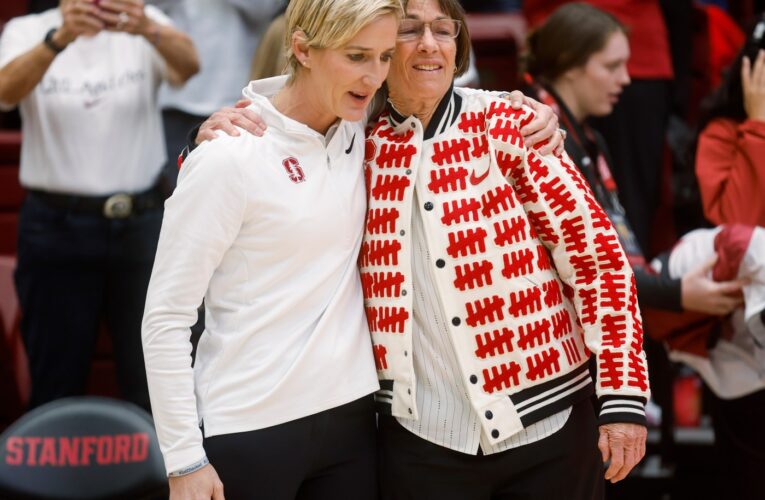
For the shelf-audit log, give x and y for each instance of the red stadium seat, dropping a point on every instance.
(11, 192)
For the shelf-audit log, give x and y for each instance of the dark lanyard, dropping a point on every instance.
(605, 188)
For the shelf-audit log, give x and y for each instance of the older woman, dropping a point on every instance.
(267, 230)
(490, 275)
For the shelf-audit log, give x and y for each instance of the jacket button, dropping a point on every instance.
(440, 263)
(489, 415)
(410, 412)
(428, 206)
(403, 293)
(456, 321)
(402, 232)
(495, 433)
(406, 353)
(408, 171)
(408, 391)
(473, 379)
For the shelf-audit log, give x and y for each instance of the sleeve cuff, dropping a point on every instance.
(622, 409)
(190, 468)
(755, 127)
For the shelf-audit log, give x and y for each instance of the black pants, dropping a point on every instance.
(566, 465)
(740, 445)
(329, 455)
(73, 270)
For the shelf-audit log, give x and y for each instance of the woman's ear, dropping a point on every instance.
(299, 46)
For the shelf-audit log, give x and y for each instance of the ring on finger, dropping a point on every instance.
(122, 20)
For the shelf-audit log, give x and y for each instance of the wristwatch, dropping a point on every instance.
(50, 43)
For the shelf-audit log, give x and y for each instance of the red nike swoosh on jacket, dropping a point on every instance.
(475, 179)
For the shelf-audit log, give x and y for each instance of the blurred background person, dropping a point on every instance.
(270, 58)
(226, 34)
(730, 167)
(730, 159)
(85, 76)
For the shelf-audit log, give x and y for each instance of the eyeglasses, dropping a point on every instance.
(441, 29)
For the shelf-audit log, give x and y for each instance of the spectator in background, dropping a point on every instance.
(730, 166)
(577, 59)
(226, 34)
(270, 58)
(635, 130)
(730, 159)
(86, 76)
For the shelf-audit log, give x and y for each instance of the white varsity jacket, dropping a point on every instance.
(527, 265)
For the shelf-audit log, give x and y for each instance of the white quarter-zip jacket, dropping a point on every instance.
(267, 230)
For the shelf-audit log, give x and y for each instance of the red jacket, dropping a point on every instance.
(730, 166)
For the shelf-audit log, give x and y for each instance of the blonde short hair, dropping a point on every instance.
(329, 24)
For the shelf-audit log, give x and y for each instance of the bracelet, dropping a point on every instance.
(48, 41)
(189, 469)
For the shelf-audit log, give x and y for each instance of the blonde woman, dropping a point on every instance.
(267, 230)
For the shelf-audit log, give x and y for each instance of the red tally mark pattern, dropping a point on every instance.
(473, 275)
(494, 343)
(382, 284)
(498, 200)
(395, 155)
(472, 123)
(518, 263)
(387, 319)
(380, 353)
(503, 376)
(510, 231)
(527, 334)
(543, 364)
(534, 334)
(485, 311)
(448, 179)
(562, 210)
(508, 162)
(573, 355)
(390, 187)
(466, 242)
(451, 151)
(458, 211)
(382, 220)
(380, 253)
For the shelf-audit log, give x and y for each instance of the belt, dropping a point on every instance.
(115, 206)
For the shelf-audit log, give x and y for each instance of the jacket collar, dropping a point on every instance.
(447, 112)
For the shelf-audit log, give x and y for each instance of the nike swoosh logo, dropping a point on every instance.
(350, 148)
(475, 179)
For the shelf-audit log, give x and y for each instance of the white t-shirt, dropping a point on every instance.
(268, 230)
(92, 125)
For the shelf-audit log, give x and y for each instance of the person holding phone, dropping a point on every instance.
(85, 76)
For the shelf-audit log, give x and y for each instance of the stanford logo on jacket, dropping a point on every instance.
(293, 169)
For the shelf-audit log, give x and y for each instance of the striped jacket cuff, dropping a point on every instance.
(622, 409)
